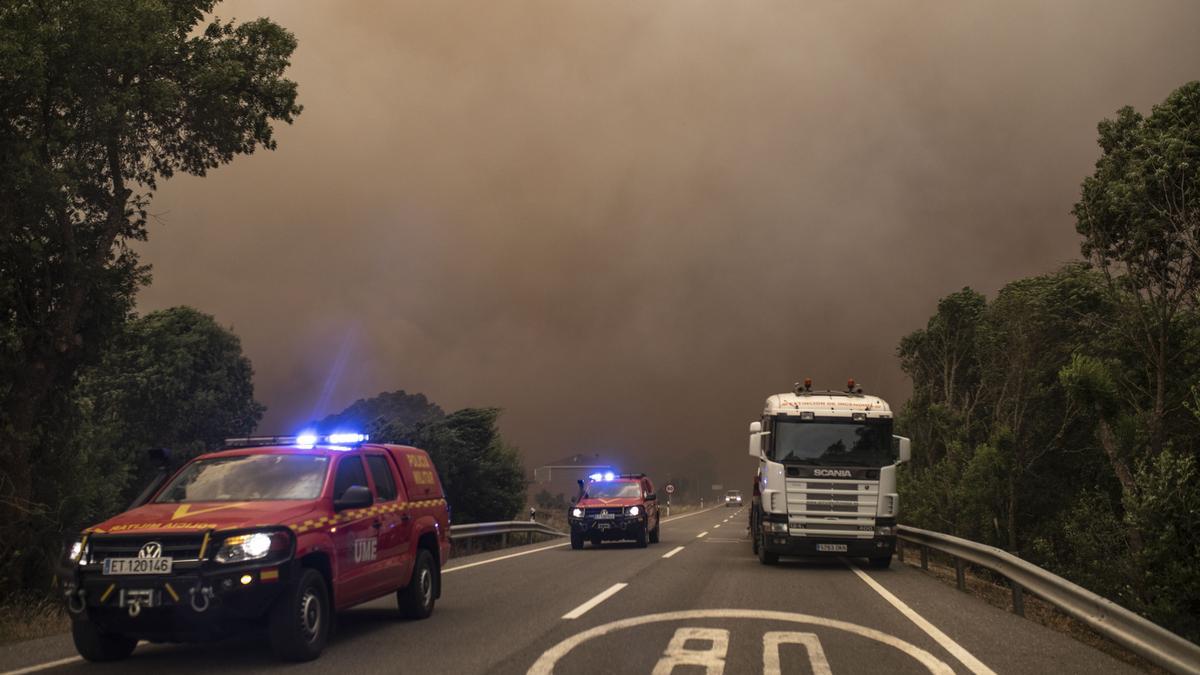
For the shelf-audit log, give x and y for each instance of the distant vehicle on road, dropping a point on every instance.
(733, 498)
(278, 532)
(826, 476)
(614, 507)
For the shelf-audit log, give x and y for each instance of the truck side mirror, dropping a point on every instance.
(757, 437)
(903, 449)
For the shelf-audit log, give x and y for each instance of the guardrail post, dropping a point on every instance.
(900, 549)
(504, 540)
(1018, 598)
(958, 574)
(924, 557)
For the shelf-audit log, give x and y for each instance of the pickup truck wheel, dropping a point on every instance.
(882, 562)
(417, 598)
(654, 532)
(642, 535)
(96, 645)
(300, 619)
(576, 541)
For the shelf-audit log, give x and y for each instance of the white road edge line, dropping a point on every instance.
(973, 664)
(673, 551)
(44, 666)
(497, 559)
(604, 595)
(702, 534)
(517, 555)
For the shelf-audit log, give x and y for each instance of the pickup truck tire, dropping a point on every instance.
(881, 563)
(300, 620)
(416, 600)
(576, 541)
(95, 645)
(642, 536)
(654, 532)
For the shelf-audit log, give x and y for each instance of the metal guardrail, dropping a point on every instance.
(1137, 634)
(504, 528)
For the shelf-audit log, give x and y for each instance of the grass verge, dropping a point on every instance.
(993, 590)
(30, 618)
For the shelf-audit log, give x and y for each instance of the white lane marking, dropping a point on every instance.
(503, 557)
(604, 595)
(546, 662)
(702, 534)
(973, 664)
(689, 515)
(44, 666)
(673, 551)
(716, 526)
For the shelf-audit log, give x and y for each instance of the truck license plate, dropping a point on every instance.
(118, 566)
(831, 548)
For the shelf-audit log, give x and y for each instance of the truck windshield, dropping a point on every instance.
(832, 443)
(248, 478)
(613, 490)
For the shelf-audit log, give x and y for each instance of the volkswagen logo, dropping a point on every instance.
(151, 549)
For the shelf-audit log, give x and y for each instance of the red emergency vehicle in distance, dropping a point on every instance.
(279, 532)
(614, 507)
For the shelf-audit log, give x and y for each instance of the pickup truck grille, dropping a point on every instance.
(181, 547)
(832, 508)
(615, 510)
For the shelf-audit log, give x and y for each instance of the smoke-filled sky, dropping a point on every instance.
(627, 223)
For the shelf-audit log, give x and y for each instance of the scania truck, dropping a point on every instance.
(826, 480)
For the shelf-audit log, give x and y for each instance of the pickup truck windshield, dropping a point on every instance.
(832, 443)
(248, 478)
(613, 490)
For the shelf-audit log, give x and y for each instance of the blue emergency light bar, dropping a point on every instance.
(607, 475)
(305, 439)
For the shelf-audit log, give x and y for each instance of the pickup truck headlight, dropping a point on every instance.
(75, 555)
(253, 546)
(633, 510)
(577, 512)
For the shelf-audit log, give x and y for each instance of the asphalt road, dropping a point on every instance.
(697, 602)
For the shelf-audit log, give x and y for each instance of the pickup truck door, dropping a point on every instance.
(356, 539)
(395, 524)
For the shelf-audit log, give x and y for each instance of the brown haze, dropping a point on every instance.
(626, 223)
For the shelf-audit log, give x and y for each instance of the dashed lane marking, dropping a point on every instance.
(702, 534)
(673, 551)
(973, 664)
(604, 595)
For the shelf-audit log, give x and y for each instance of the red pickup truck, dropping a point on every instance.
(280, 533)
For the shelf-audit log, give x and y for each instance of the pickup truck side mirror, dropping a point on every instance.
(355, 497)
(651, 497)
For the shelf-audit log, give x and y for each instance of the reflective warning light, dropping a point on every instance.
(246, 579)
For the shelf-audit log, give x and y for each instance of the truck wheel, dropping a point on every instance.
(576, 541)
(654, 532)
(642, 535)
(881, 563)
(417, 598)
(95, 645)
(764, 556)
(299, 624)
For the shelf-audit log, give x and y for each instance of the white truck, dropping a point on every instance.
(826, 480)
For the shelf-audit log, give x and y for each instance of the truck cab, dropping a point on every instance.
(826, 480)
(277, 532)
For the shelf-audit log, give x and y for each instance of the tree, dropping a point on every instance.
(1139, 214)
(482, 475)
(99, 100)
(394, 416)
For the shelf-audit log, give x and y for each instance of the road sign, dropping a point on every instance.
(670, 488)
(717, 487)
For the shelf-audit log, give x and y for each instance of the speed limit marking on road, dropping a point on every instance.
(709, 647)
